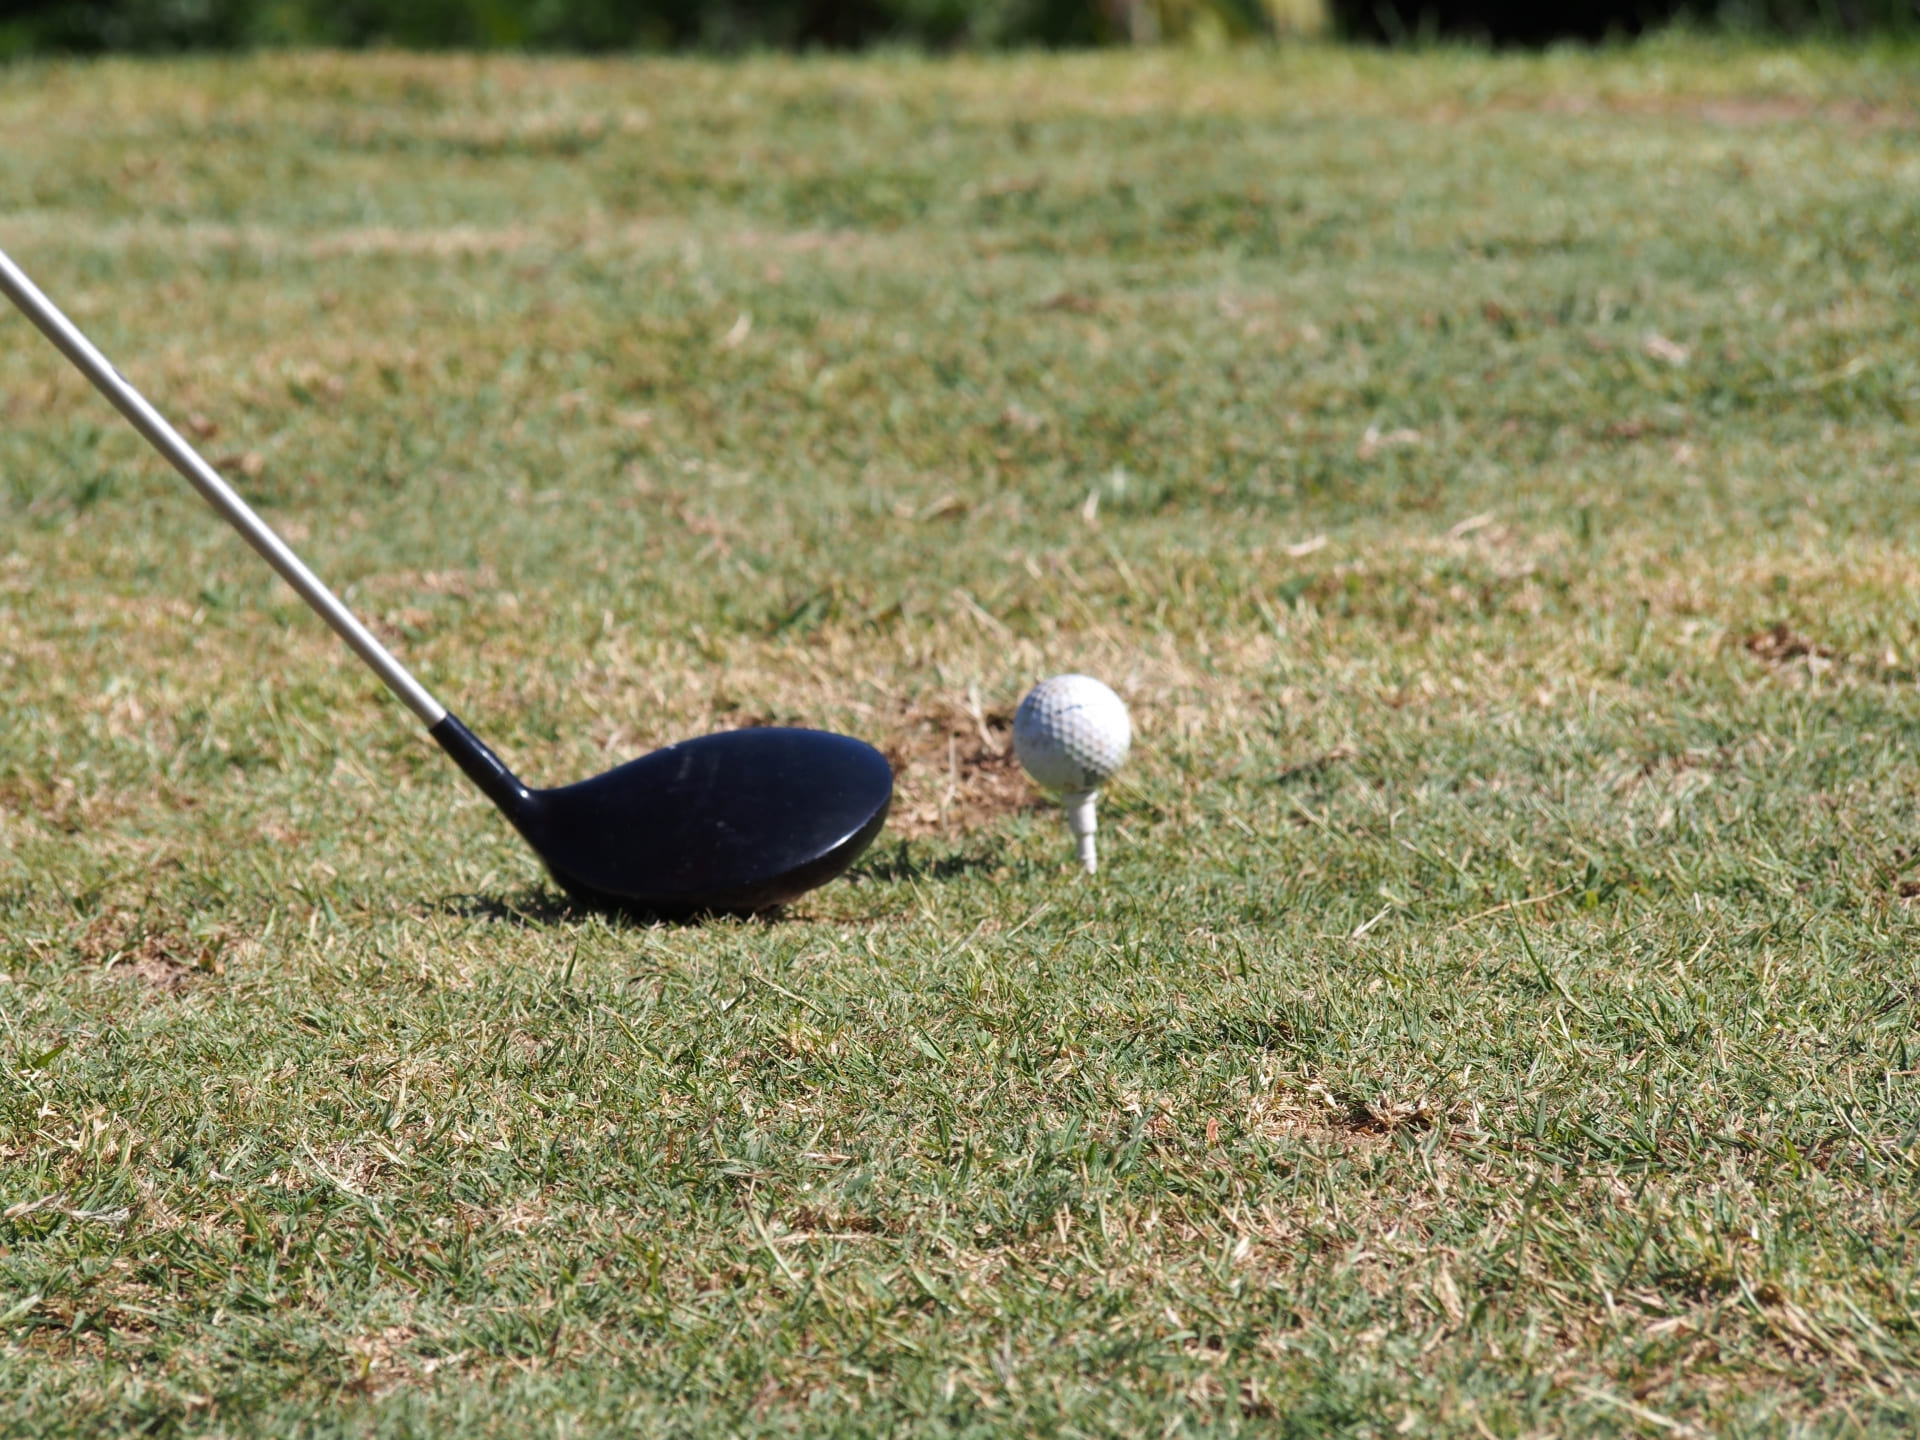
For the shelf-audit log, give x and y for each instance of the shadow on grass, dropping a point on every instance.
(543, 906)
(539, 907)
(900, 865)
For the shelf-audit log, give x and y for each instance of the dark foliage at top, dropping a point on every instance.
(90, 26)
(582, 25)
(1518, 22)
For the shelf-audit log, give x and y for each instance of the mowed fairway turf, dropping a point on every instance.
(1491, 481)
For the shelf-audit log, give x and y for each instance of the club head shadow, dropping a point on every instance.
(730, 823)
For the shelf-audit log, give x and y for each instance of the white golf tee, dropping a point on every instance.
(1082, 822)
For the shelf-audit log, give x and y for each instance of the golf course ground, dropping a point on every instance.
(1490, 480)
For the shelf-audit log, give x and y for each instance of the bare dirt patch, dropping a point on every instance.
(954, 769)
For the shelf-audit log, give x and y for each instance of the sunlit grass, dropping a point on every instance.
(1491, 482)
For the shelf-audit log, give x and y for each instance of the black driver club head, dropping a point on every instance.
(730, 823)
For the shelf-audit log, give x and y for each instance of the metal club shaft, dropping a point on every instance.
(183, 457)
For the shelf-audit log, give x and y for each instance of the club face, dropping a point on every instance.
(734, 822)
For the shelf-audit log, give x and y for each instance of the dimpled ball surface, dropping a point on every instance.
(1071, 733)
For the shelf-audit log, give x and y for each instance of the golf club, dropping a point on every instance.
(734, 822)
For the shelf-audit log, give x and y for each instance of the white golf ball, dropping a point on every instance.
(1071, 733)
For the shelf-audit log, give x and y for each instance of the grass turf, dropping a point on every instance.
(1490, 481)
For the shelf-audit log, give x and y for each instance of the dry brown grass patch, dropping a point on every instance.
(165, 956)
(1320, 1115)
(1780, 644)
